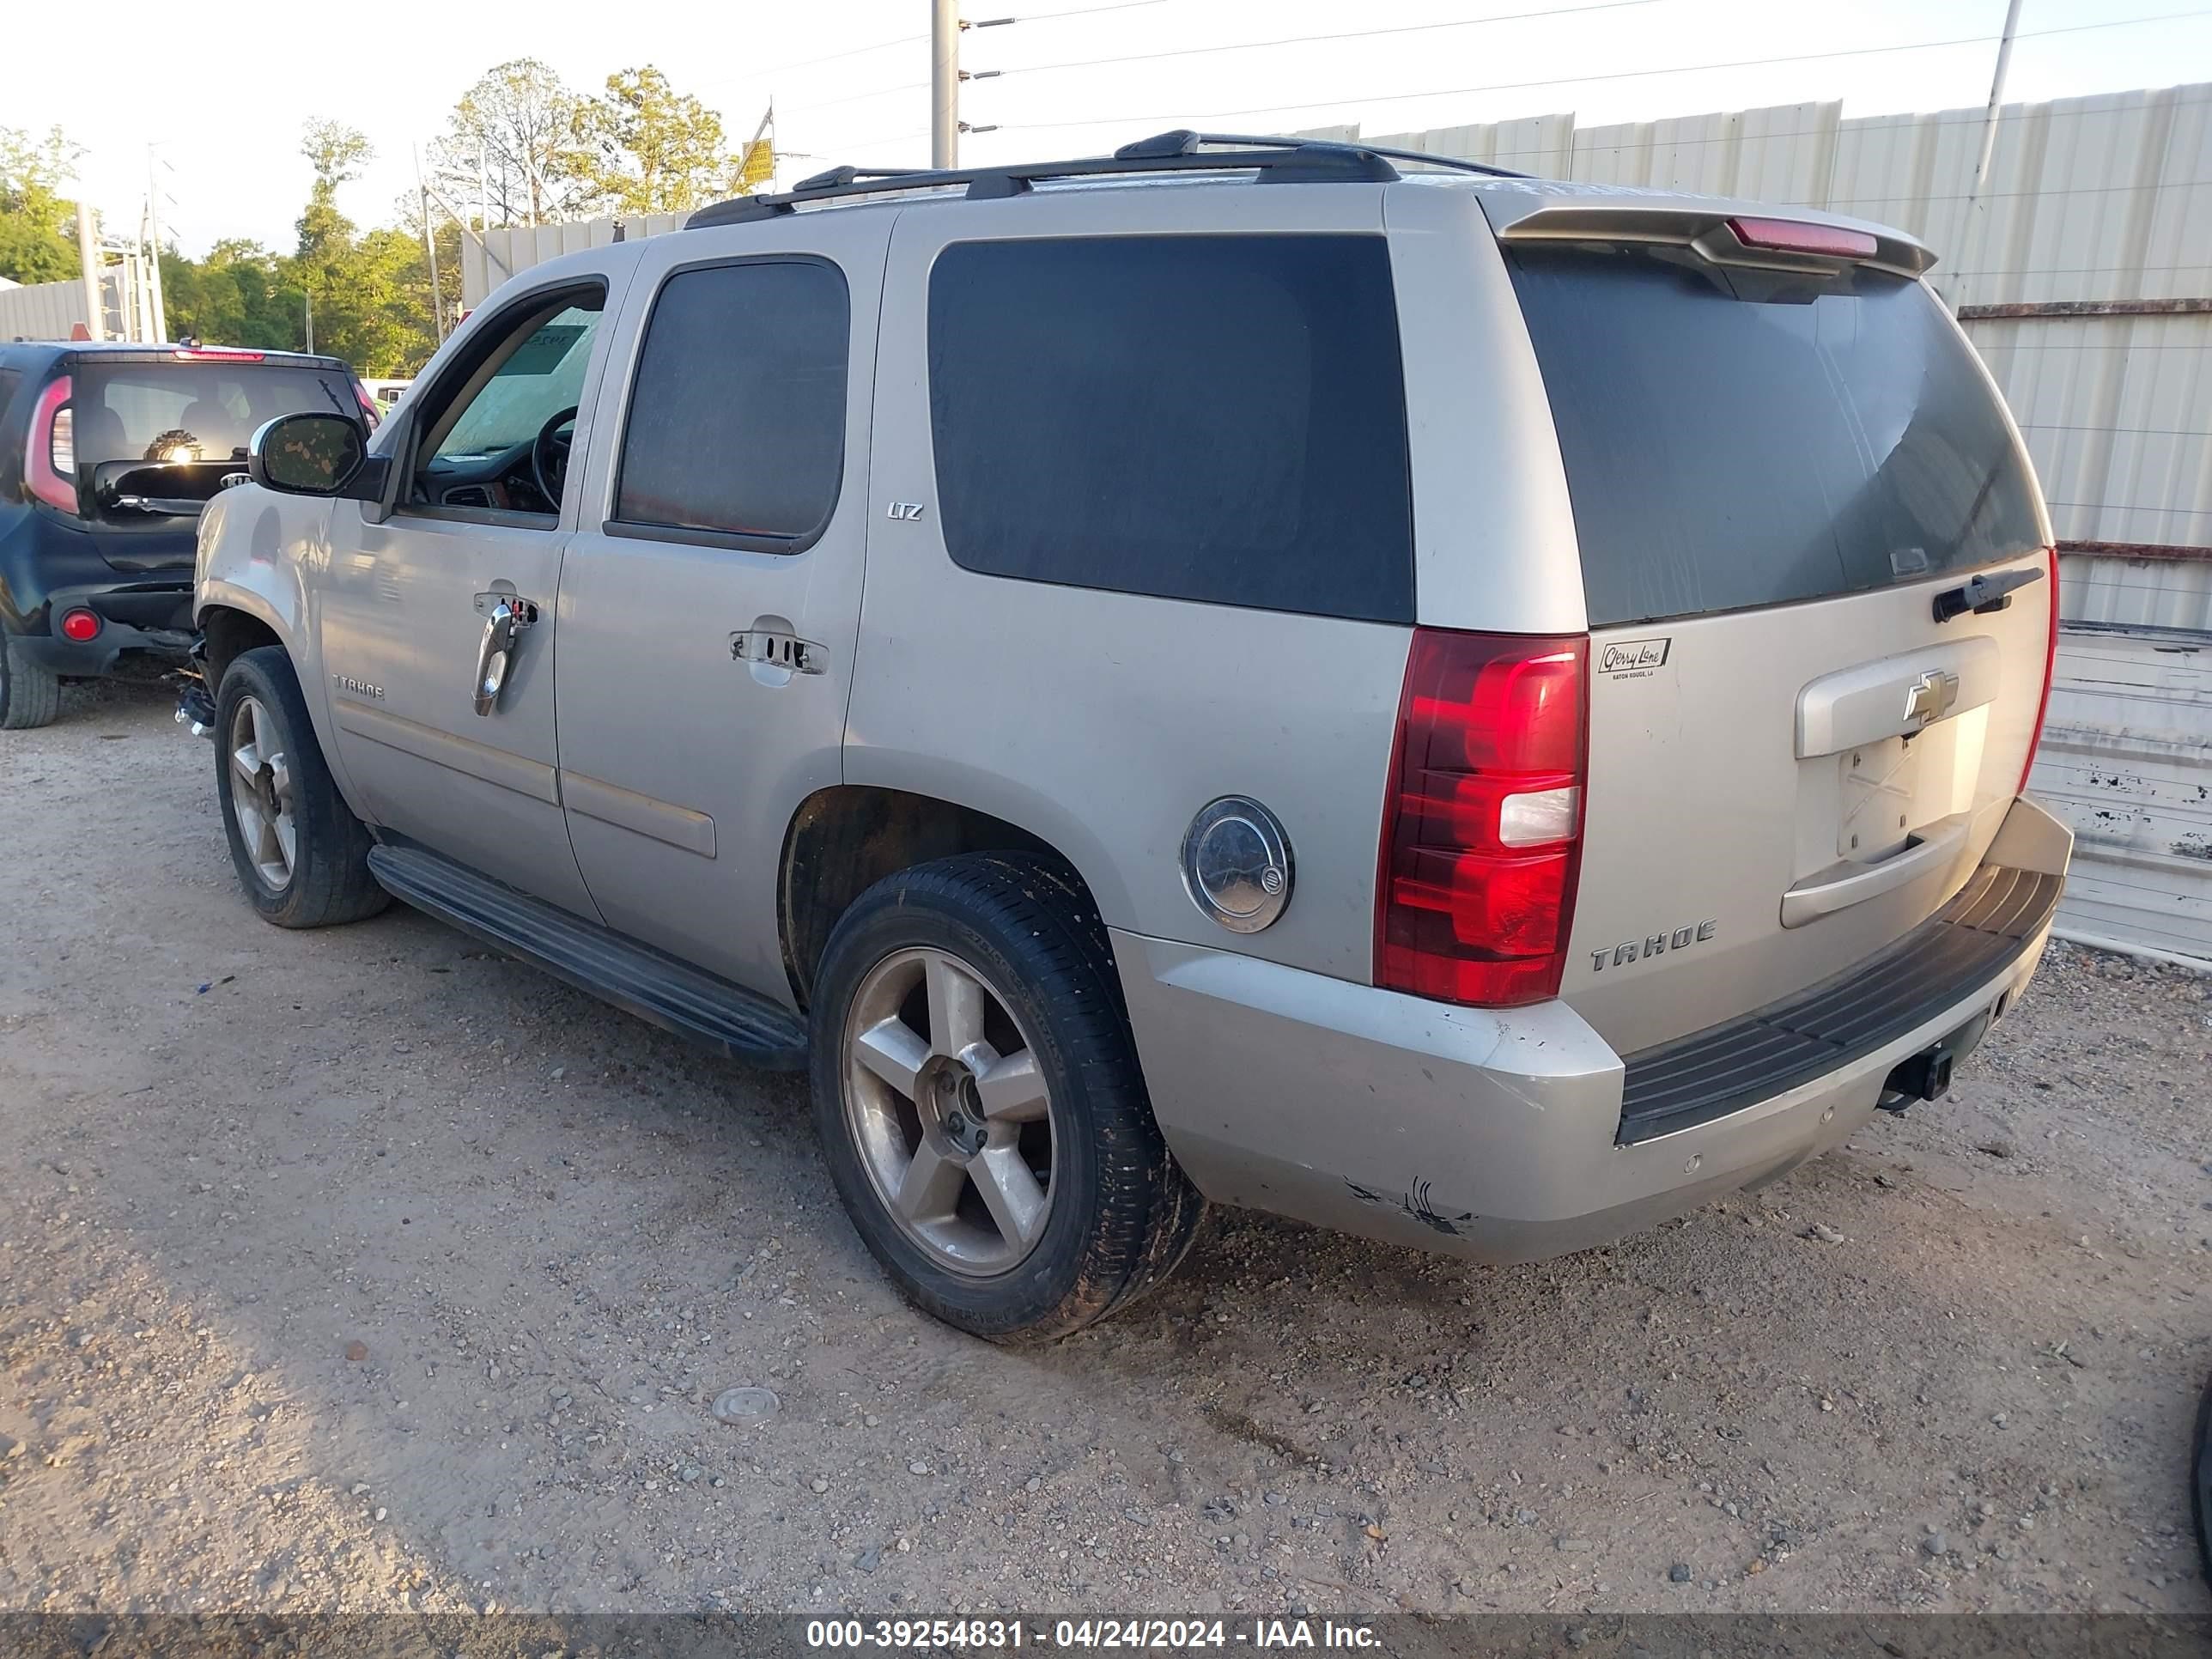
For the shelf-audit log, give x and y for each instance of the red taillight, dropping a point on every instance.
(219, 354)
(2050, 673)
(80, 625)
(41, 450)
(367, 404)
(1481, 830)
(1795, 236)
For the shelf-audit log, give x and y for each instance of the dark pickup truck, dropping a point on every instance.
(107, 453)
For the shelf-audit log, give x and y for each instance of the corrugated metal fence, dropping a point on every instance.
(42, 311)
(2083, 271)
(508, 251)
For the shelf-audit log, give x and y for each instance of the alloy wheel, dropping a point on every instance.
(950, 1111)
(261, 793)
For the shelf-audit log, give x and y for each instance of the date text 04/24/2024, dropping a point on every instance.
(989, 1634)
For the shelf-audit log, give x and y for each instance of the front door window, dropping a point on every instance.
(501, 446)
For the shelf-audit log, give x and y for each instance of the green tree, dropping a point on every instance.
(371, 290)
(32, 212)
(323, 268)
(648, 148)
(522, 125)
(235, 296)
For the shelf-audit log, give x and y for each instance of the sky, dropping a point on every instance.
(224, 109)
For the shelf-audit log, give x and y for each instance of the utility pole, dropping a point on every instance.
(308, 310)
(87, 251)
(1996, 102)
(944, 83)
(153, 246)
(430, 250)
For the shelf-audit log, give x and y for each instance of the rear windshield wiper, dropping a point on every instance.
(1983, 594)
(166, 506)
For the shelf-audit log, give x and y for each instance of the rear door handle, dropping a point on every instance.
(507, 617)
(773, 648)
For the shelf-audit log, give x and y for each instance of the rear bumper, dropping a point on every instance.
(1500, 1136)
(150, 617)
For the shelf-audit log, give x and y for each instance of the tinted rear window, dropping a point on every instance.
(191, 411)
(1196, 417)
(1731, 441)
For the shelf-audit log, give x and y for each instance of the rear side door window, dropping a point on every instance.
(1211, 417)
(736, 433)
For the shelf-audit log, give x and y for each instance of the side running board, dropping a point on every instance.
(635, 978)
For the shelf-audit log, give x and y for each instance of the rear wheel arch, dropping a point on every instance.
(844, 838)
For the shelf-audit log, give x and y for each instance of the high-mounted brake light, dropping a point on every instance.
(50, 452)
(220, 354)
(2050, 673)
(1796, 236)
(1481, 831)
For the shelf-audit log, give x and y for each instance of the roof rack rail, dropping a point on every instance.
(1281, 161)
(1184, 142)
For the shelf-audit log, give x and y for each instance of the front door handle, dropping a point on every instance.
(506, 617)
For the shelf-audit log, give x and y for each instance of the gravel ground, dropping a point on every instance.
(364, 1268)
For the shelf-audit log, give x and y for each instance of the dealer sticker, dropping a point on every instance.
(1634, 660)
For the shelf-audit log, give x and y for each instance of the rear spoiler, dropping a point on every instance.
(1768, 239)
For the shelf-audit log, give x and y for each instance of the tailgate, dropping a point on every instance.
(152, 437)
(1776, 476)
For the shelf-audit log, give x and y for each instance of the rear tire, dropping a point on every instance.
(301, 855)
(1002, 1163)
(30, 692)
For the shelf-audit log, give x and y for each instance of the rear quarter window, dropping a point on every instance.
(1732, 440)
(1217, 418)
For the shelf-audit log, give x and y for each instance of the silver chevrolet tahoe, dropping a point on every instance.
(1475, 711)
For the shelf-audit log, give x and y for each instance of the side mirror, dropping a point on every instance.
(307, 455)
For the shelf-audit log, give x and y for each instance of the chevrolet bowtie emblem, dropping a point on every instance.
(1928, 698)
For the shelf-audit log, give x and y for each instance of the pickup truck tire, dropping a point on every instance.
(30, 692)
(301, 855)
(980, 1103)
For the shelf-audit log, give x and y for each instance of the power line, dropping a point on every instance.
(809, 104)
(1080, 11)
(1312, 40)
(1619, 74)
(858, 145)
(750, 75)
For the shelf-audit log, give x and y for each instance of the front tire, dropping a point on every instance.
(30, 692)
(300, 854)
(980, 1104)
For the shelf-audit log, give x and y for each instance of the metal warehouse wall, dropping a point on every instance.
(41, 311)
(507, 251)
